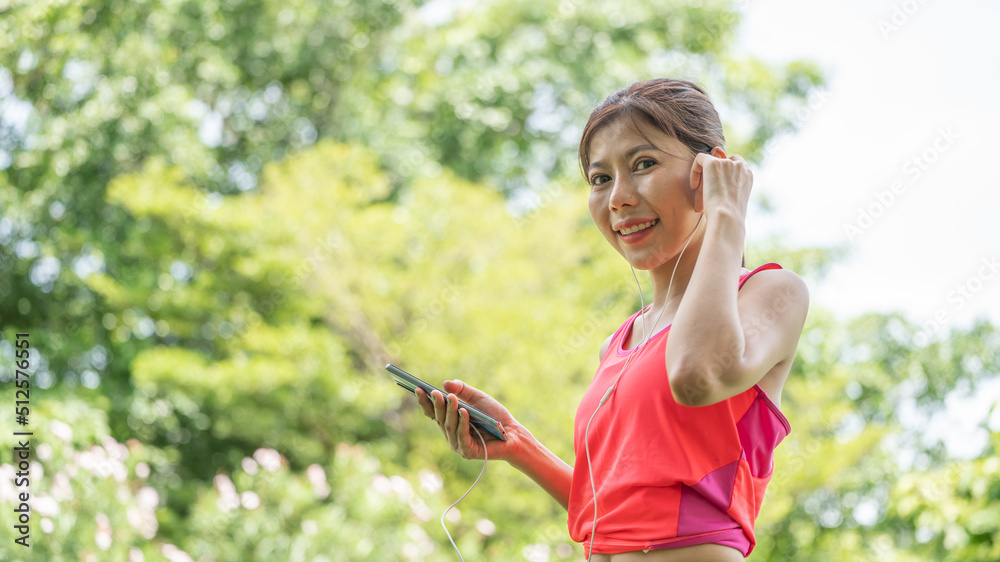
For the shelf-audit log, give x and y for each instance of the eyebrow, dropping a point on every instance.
(628, 154)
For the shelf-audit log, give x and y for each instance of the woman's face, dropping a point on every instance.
(640, 196)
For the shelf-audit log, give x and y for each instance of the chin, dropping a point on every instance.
(643, 263)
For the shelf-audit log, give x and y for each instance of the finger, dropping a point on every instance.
(464, 391)
(463, 422)
(696, 172)
(425, 403)
(457, 388)
(463, 432)
(451, 421)
(439, 407)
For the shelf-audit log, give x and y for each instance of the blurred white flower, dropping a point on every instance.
(486, 527)
(430, 481)
(411, 551)
(249, 465)
(401, 486)
(103, 534)
(317, 477)
(147, 499)
(85, 460)
(7, 490)
(37, 471)
(421, 510)
(268, 458)
(61, 430)
(142, 471)
(310, 527)
(381, 484)
(250, 499)
(47, 525)
(422, 542)
(174, 554)
(46, 505)
(536, 552)
(61, 489)
(44, 452)
(143, 521)
(115, 450)
(228, 498)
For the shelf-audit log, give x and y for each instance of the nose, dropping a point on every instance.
(623, 192)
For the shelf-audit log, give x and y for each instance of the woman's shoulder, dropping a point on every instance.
(772, 272)
(772, 289)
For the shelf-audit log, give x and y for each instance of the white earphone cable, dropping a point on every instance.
(481, 472)
(635, 352)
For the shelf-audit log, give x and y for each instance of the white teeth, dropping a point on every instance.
(637, 228)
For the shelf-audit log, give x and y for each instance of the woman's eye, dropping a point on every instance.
(599, 179)
(644, 163)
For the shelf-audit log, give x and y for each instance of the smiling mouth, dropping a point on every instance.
(638, 227)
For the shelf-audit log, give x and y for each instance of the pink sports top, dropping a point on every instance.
(668, 475)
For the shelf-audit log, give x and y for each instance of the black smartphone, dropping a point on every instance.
(483, 421)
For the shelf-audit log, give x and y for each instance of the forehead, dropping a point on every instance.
(623, 133)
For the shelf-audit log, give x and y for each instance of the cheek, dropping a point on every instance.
(595, 203)
(599, 214)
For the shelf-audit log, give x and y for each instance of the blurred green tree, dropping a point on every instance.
(221, 218)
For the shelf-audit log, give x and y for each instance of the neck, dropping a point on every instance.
(680, 269)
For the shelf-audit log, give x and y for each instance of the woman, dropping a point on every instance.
(675, 434)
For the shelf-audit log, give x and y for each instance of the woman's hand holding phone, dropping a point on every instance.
(454, 421)
(520, 449)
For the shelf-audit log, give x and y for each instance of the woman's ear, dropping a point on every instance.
(718, 152)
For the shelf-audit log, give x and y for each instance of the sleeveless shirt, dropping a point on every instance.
(668, 475)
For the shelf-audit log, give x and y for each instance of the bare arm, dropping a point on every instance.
(547, 470)
(723, 342)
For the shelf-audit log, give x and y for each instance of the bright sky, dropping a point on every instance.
(911, 106)
(902, 149)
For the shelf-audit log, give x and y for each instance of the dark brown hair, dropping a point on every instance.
(679, 108)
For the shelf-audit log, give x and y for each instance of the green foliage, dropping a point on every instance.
(221, 218)
(86, 499)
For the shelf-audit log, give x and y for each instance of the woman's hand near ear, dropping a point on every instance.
(721, 184)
